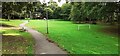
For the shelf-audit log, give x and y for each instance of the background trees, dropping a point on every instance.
(65, 11)
(79, 12)
(107, 12)
(19, 10)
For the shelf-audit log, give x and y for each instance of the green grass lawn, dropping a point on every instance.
(12, 22)
(83, 41)
(14, 41)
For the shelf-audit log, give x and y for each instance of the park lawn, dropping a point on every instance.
(83, 41)
(14, 41)
(15, 23)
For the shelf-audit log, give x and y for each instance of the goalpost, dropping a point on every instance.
(78, 28)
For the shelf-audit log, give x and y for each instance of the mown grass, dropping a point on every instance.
(14, 41)
(12, 22)
(83, 41)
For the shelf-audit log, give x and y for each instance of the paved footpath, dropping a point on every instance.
(43, 46)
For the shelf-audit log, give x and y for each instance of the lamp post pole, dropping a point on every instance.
(47, 22)
(29, 16)
(47, 30)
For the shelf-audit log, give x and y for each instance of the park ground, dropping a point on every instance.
(98, 39)
(15, 41)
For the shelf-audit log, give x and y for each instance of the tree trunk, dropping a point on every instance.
(8, 17)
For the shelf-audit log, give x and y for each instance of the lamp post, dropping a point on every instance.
(47, 30)
(47, 22)
(29, 16)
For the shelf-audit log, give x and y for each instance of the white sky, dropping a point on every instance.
(59, 3)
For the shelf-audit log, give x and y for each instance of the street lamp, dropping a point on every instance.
(29, 16)
(47, 31)
(47, 21)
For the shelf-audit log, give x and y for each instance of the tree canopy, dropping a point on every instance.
(74, 11)
(95, 11)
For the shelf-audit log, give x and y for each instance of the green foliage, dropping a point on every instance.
(57, 13)
(75, 11)
(49, 11)
(56, 10)
(98, 11)
(65, 10)
(19, 9)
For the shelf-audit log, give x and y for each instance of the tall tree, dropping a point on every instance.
(94, 11)
(65, 10)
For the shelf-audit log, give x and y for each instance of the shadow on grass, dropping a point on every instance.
(114, 30)
(15, 44)
(5, 25)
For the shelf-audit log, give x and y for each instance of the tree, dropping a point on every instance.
(7, 9)
(94, 11)
(75, 12)
(53, 7)
(50, 12)
(56, 13)
(19, 9)
(65, 11)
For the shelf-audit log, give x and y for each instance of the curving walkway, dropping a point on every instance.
(42, 46)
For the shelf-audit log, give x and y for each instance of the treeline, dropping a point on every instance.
(21, 10)
(78, 12)
(92, 12)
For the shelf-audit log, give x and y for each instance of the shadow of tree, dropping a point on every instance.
(5, 25)
(14, 44)
(114, 30)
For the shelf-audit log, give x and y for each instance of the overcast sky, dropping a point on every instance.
(59, 3)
